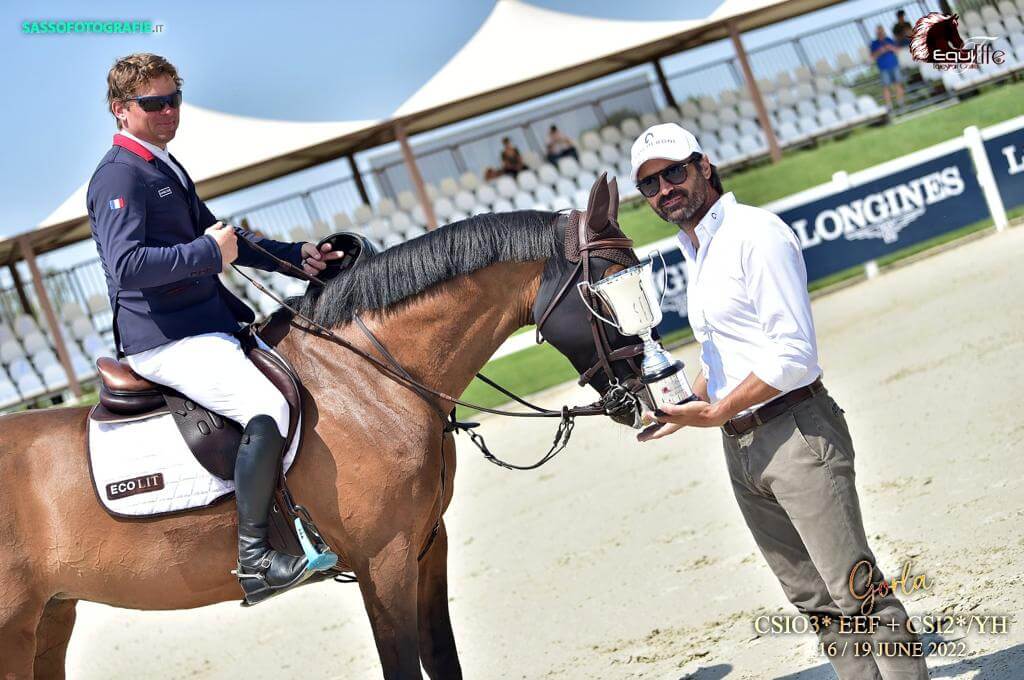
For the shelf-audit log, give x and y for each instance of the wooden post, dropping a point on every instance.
(26, 306)
(755, 94)
(357, 176)
(415, 176)
(51, 318)
(663, 81)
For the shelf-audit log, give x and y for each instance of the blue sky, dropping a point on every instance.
(297, 61)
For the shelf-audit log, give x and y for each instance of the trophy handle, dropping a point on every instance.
(579, 289)
(664, 278)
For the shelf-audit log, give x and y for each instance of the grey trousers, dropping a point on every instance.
(793, 479)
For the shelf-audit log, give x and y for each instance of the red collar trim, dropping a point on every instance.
(133, 146)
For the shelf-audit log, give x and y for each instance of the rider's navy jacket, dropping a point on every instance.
(161, 269)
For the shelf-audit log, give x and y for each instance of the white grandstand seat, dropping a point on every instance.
(971, 16)
(708, 121)
(561, 203)
(611, 134)
(81, 328)
(590, 141)
(785, 98)
(24, 324)
(707, 104)
(34, 342)
(808, 125)
(30, 386)
(1007, 9)
(727, 133)
(1017, 40)
(95, 347)
(825, 101)
(342, 222)
(54, 377)
(786, 115)
(401, 222)
(1013, 25)
(624, 167)
(71, 311)
(728, 98)
(803, 91)
(378, 228)
(822, 67)
(544, 194)
(568, 167)
(362, 215)
(728, 153)
(843, 62)
(806, 108)
(828, 119)
(766, 85)
(547, 174)
(803, 74)
(10, 350)
(747, 109)
(415, 232)
(449, 187)
(465, 201)
(580, 198)
(486, 195)
(385, 207)
(469, 181)
(988, 13)
(647, 120)
(443, 208)
(523, 200)
(610, 155)
(586, 179)
(503, 205)
(8, 393)
(565, 187)
(418, 216)
(784, 81)
(863, 54)
(689, 109)
(527, 180)
(869, 107)
(589, 160)
(391, 240)
(506, 186)
(532, 159)
(748, 127)
(631, 128)
(845, 96)
(847, 112)
(751, 146)
(5, 332)
(905, 59)
(431, 190)
(826, 86)
(788, 134)
(668, 114)
(728, 116)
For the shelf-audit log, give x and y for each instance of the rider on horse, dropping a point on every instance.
(162, 250)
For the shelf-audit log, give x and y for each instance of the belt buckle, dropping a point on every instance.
(730, 430)
(758, 421)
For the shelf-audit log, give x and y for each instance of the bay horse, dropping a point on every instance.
(370, 469)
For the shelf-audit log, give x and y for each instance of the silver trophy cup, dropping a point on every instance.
(632, 298)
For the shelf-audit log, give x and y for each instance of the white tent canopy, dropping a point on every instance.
(522, 51)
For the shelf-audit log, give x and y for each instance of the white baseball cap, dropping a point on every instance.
(665, 140)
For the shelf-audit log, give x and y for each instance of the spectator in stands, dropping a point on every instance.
(511, 159)
(884, 51)
(902, 30)
(559, 146)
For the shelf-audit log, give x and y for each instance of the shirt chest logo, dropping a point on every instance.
(164, 193)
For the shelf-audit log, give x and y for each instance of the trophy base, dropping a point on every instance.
(670, 369)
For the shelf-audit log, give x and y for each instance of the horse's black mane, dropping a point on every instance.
(400, 272)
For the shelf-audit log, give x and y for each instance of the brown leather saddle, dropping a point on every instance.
(213, 439)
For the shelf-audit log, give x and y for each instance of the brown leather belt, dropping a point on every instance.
(774, 408)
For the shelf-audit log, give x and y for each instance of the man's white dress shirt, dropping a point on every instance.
(162, 154)
(747, 300)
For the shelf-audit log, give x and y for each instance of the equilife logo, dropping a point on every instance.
(883, 214)
(937, 41)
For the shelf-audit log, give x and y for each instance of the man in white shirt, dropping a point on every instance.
(787, 446)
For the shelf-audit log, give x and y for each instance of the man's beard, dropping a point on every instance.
(690, 202)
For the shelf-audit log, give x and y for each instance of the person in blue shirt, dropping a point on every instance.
(162, 250)
(884, 51)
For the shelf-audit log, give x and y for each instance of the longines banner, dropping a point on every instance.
(851, 227)
(1006, 156)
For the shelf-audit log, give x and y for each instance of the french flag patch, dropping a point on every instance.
(117, 203)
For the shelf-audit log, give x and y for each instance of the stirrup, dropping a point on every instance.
(255, 587)
(318, 557)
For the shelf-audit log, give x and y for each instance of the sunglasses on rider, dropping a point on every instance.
(674, 174)
(155, 103)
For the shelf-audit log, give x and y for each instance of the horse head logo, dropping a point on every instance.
(940, 32)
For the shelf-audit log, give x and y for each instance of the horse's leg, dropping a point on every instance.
(437, 641)
(52, 637)
(388, 586)
(19, 616)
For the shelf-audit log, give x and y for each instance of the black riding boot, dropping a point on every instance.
(262, 572)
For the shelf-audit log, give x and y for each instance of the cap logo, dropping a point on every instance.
(649, 138)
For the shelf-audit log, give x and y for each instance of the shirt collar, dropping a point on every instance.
(708, 225)
(162, 154)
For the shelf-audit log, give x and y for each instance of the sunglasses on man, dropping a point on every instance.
(674, 174)
(154, 103)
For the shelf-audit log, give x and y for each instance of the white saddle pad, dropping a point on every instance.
(143, 468)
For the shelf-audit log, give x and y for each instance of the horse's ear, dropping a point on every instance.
(613, 191)
(597, 204)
